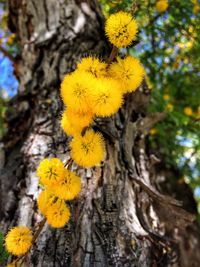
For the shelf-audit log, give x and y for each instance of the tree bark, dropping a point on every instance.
(120, 218)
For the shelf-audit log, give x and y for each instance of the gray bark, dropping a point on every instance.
(119, 219)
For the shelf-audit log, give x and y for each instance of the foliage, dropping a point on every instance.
(169, 48)
(8, 49)
(3, 252)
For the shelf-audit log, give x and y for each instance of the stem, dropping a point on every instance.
(7, 54)
(113, 55)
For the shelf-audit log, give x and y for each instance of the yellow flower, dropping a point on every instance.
(88, 150)
(153, 131)
(73, 122)
(166, 97)
(121, 29)
(50, 171)
(68, 188)
(68, 126)
(58, 214)
(107, 97)
(10, 39)
(93, 66)
(76, 90)
(19, 240)
(162, 5)
(188, 111)
(196, 8)
(169, 107)
(129, 72)
(45, 200)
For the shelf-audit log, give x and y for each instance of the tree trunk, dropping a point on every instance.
(119, 219)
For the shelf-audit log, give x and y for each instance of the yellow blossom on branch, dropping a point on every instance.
(166, 97)
(72, 122)
(153, 131)
(69, 187)
(19, 240)
(129, 72)
(58, 214)
(169, 107)
(161, 6)
(107, 97)
(93, 66)
(121, 29)
(45, 200)
(188, 111)
(50, 171)
(76, 90)
(88, 150)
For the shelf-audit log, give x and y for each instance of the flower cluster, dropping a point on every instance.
(96, 89)
(60, 185)
(162, 5)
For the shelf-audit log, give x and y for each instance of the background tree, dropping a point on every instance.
(122, 217)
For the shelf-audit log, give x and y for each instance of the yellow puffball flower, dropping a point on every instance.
(68, 188)
(162, 6)
(121, 29)
(129, 71)
(58, 214)
(93, 66)
(72, 122)
(166, 97)
(188, 111)
(169, 107)
(107, 97)
(19, 240)
(50, 171)
(88, 150)
(45, 200)
(153, 131)
(76, 91)
(196, 8)
(68, 126)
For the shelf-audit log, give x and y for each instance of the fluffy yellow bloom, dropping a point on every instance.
(153, 131)
(166, 97)
(188, 111)
(169, 107)
(162, 5)
(72, 122)
(107, 97)
(88, 150)
(76, 91)
(58, 214)
(121, 29)
(129, 71)
(93, 66)
(45, 200)
(19, 240)
(69, 187)
(50, 171)
(196, 8)
(68, 126)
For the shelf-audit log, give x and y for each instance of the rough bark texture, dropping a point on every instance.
(119, 219)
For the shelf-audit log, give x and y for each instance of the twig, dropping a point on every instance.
(113, 54)
(7, 54)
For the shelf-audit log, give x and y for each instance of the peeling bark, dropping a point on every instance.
(119, 219)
